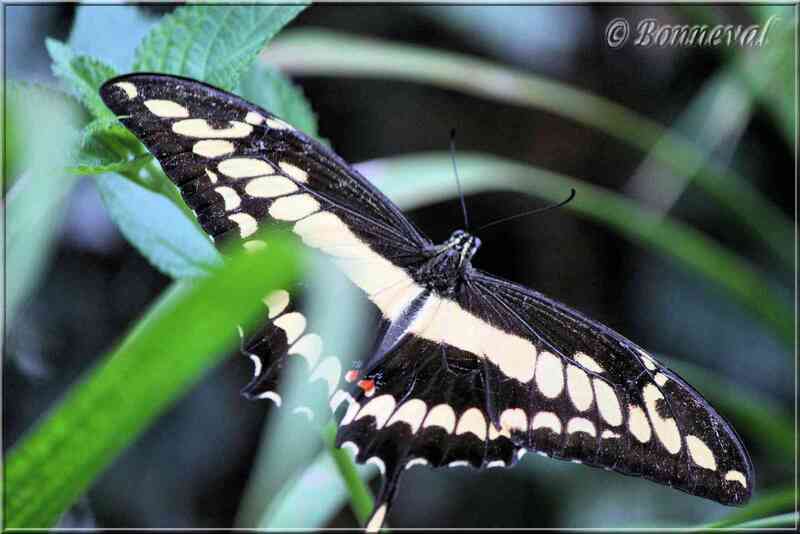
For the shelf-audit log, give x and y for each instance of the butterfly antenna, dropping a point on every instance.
(532, 212)
(458, 181)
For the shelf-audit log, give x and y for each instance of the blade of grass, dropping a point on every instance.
(331, 484)
(426, 178)
(190, 328)
(781, 520)
(324, 53)
(766, 71)
(361, 498)
(714, 120)
(768, 503)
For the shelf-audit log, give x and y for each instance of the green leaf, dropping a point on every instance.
(325, 53)
(325, 479)
(215, 44)
(274, 92)
(425, 178)
(190, 329)
(83, 75)
(34, 203)
(157, 228)
(107, 146)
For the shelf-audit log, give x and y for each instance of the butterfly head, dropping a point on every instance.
(448, 262)
(464, 245)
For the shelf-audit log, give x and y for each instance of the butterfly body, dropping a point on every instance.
(467, 369)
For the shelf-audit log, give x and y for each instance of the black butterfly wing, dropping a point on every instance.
(476, 378)
(237, 166)
(499, 370)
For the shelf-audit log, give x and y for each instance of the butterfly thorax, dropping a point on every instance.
(447, 263)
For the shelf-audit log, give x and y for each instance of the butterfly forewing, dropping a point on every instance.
(467, 369)
(619, 407)
(238, 166)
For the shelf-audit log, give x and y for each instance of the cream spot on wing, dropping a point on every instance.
(607, 402)
(304, 410)
(472, 421)
(257, 365)
(270, 186)
(588, 362)
(412, 413)
(546, 420)
(549, 375)
(166, 109)
(444, 321)
(247, 223)
(737, 476)
(271, 395)
(579, 424)
(666, 428)
(351, 447)
(213, 148)
(607, 434)
(277, 124)
(293, 324)
(441, 415)
(495, 463)
(200, 128)
(352, 410)
(638, 424)
(294, 172)
(376, 522)
(381, 407)
(294, 207)
(254, 245)
(212, 176)
(254, 118)
(229, 196)
(276, 302)
(660, 379)
(388, 286)
(647, 360)
(514, 419)
(416, 461)
(700, 453)
(309, 347)
(377, 462)
(338, 398)
(244, 167)
(495, 433)
(579, 388)
(129, 88)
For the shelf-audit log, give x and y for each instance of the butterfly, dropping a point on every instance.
(467, 369)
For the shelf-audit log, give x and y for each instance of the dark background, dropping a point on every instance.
(190, 469)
